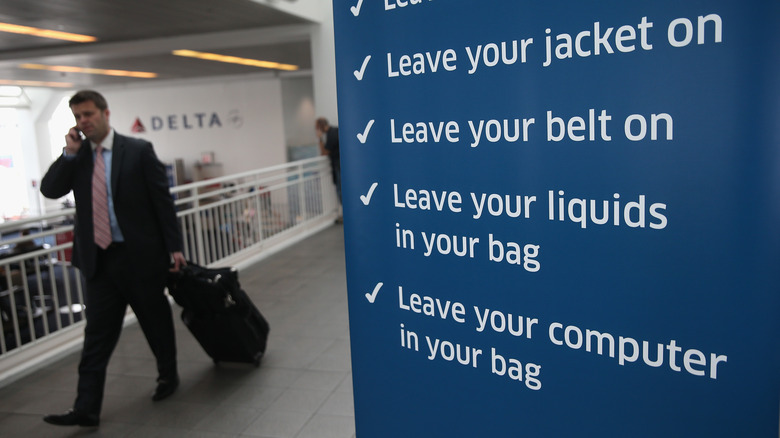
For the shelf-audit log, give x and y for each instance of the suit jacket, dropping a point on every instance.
(142, 203)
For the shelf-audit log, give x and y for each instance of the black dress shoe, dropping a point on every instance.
(165, 388)
(73, 418)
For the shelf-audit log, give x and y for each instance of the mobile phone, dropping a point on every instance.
(79, 135)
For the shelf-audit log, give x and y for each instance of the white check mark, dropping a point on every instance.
(372, 296)
(367, 197)
(364, 135)
(356, 9)
(359, 73)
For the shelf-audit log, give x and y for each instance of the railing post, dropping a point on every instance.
(199, 230)
(301, 194)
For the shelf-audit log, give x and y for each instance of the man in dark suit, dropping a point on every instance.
(126, 236)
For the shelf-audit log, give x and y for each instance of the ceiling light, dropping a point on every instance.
(46, 33)
(235, 60)
(37, 84)
(91, 71)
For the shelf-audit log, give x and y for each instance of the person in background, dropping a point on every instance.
(126, 237)
(25, 246)
(328, 137)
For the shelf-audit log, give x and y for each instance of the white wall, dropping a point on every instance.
(239, 119)
(30, 149)
(323, 56)
(275, 113)
(299, 114)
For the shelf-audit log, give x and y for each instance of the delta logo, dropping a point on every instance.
(188, 122)
(138, 127)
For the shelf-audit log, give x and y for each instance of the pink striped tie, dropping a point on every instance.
(100, 219)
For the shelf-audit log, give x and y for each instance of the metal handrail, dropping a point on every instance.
(231, 220)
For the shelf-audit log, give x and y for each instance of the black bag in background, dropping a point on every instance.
(219, 313)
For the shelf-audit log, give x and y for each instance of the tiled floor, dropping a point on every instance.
(302, 389)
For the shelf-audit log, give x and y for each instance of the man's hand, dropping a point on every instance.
(178, 261)
(72, 141)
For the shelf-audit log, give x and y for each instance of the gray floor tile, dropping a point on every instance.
(228, 420)
(328, 426)
(278, 424)
(300, 400)
(340, 404)
(256, 397)
(320, 380)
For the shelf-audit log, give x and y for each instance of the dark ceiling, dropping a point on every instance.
(139, 35)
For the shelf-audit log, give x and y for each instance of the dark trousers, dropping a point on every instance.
(335, 169)
(114, 286)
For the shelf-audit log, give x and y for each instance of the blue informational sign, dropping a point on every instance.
(561, 218)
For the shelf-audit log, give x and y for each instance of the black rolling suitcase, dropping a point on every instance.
(219, 313)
